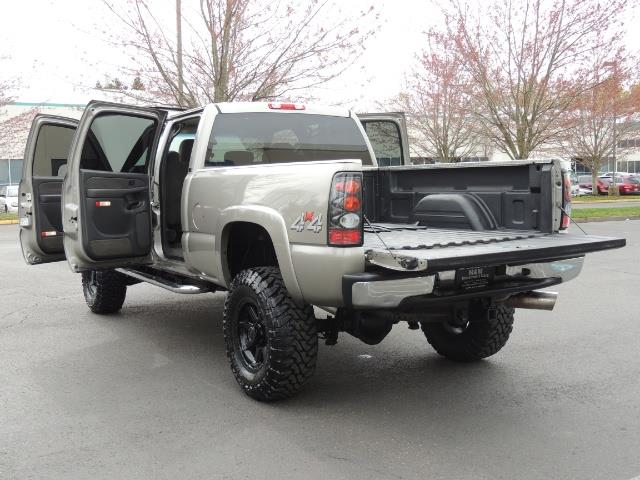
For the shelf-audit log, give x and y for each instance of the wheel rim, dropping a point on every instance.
(251, 336)
(92, 285)
(458, 324)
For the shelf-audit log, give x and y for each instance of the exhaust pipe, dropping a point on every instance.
(534, 300)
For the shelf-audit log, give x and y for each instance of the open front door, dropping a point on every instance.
(39, 196)
(106, 203)
(387, 133)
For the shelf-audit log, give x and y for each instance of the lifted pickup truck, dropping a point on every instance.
(311, 218)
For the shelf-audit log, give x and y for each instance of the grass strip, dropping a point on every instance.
(8, 216)
(605, 212)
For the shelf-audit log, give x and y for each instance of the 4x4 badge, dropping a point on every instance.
(309, 221)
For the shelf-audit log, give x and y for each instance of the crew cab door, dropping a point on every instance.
(387, 133)
(39, 196)
(106, 212)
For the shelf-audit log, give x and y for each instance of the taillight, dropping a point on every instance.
(345, 210)
(566, 201)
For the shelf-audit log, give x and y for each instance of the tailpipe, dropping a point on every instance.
(534, 300)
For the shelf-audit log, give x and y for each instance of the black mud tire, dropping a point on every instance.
(271, 343)
(485, 334)
(104, 290)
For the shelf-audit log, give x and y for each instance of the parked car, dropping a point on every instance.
(576, 189)
(9, 198)
(626, 185)
(586, 182)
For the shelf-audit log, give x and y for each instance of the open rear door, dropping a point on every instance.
(39, 196)
(106, 204)
(387, 133)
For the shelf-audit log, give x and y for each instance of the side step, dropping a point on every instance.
(167, 283)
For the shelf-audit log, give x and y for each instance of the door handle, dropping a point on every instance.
(136, 207)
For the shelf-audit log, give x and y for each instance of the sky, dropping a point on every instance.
(57, 48)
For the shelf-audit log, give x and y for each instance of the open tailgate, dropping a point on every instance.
(431, 250)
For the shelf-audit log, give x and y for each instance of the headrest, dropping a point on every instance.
(185, 151)
(239, 157)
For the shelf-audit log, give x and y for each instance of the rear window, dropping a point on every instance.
(239, 139)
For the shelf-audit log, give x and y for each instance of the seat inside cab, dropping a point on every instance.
(173, 171)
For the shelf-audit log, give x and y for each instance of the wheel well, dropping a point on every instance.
(248, 245)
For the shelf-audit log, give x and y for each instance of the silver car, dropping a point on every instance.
(9, 199)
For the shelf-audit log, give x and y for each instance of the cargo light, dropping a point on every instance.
(103, 203)
(345, 210)
(286, 106)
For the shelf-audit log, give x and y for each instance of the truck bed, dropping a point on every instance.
(415, 248)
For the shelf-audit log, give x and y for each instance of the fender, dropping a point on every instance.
(274, 224)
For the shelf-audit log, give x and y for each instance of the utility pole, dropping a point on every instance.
(179, 55)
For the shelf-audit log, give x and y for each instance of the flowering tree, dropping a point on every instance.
(604, 115)
(439, 103)
(530, 61)
(240, 49)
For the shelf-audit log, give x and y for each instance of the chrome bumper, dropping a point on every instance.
(376, 291)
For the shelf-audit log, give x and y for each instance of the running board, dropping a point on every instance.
(165, 283)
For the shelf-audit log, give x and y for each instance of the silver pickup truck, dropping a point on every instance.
(311, 218)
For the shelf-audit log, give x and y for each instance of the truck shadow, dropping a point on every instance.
(171, 343)
(401, 367)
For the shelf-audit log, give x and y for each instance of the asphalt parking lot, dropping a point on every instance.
(147, 393)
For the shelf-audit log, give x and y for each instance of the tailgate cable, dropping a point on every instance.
(574, 222)
(375, 230)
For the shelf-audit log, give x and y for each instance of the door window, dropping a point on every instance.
(385, 141)
(52, 150)
(119, 143)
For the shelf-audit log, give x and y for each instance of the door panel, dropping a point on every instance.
(47, 192)
(106, 202)
(118, 206)
(39, 197)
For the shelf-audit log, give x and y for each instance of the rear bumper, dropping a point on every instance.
(405, 291)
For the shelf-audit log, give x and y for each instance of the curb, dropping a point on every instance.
(8, 222)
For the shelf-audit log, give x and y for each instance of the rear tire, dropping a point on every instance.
(271, 343)
(104, 290)
(484, 335)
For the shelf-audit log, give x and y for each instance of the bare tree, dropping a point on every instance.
(530, 61)
(602, 116)
(241, 49)
(438, 102)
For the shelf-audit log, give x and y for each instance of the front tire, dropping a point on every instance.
(104, 290)
(486, 332)
(271, 343)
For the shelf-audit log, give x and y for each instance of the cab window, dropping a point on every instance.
(119, 143)
(385, 140)
(52, 150)
(239, 139)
